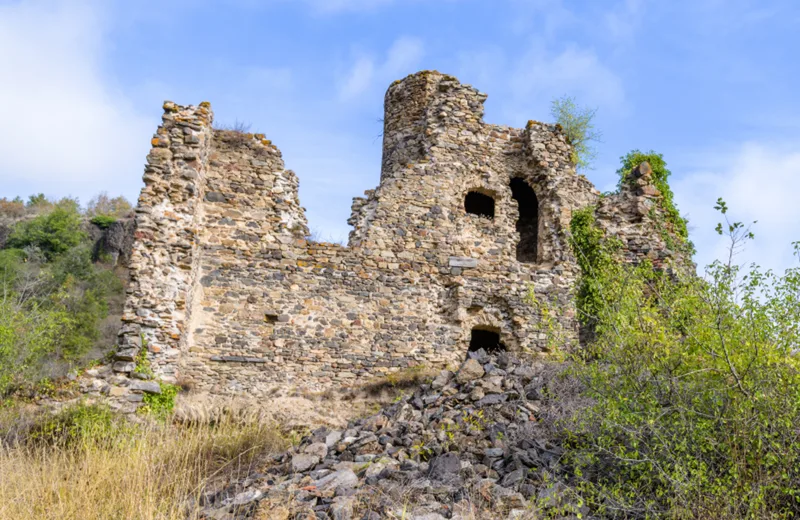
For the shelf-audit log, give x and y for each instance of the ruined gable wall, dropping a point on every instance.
(419, 272)
(164, 262)
(234, 298)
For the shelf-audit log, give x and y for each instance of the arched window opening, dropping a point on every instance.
(486, 338)
(479, 204)
(528, 223)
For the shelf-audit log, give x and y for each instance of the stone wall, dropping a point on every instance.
(164, 263)
(230, 295)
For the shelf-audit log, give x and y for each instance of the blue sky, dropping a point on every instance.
(711, 84)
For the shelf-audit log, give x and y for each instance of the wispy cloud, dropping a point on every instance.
(64, 125)
(759, 181)
(542, 73)
(402, 58)
(622, 22)
(359, 78)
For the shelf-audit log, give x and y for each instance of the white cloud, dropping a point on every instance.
(359, 78)
(622, 22)
(402, 58)
(404, 54)
(64, 127)
(541, 75)
(759, 182)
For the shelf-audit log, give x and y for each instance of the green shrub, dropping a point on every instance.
(27, 336)
(142, 361)
(52, 306)
(577, 122)
(53, 233)
(594, 255)
(695, 389)
(79, 426)
(101, 205)
(103, 221)
(38, 201)
(161, 405)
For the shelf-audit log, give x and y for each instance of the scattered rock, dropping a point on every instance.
(304, 462)
(445, 466)
(339, 480)
(469, 371)
(421, 456)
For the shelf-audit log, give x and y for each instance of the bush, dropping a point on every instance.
(594, 255)
(79, 426)
(161, 405)
(53, 233)
(12, 208)
(103, 221)
(105, 207)
(27, 335)
(695, 388)
(51, 311)
(578, 125)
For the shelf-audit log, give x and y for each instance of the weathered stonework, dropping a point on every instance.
(228, 293)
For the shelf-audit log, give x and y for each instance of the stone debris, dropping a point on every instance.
(436, 453)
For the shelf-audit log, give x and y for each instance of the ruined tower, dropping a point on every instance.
(468, 222)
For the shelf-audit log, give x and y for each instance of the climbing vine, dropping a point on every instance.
(660, 180)
(594, 254)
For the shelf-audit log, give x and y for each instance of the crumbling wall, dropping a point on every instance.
(232, 296)
(164, 263)
(635, 216)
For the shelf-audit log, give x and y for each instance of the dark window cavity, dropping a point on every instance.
(528, 223)
(479, 204)
(486, 338)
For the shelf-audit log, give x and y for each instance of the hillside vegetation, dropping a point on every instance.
(685, 404)
(59, 300)
(694, 384)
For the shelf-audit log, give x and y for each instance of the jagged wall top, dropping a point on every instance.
(228, 291)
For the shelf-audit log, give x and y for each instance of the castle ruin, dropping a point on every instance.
(468, 222)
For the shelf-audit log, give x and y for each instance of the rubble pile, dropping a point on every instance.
(468, 439)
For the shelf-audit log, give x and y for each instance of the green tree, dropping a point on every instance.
(37, 201)
(577, 123)
(101, 205)
(53, 233)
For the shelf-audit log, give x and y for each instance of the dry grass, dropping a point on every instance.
(150, 471)
(394, 383)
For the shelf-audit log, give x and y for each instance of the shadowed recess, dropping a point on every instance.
(487, 339)
(528, 223)
(479, 204)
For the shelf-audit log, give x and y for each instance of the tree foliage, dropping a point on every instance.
(101, 205)
(52, 233)
(53, 299)
(577, 123)
(695, 385)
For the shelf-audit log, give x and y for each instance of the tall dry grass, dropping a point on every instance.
(151, 471)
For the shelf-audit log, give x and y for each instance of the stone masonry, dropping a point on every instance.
(228, 293)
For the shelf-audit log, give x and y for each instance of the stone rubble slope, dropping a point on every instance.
(466, 435)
